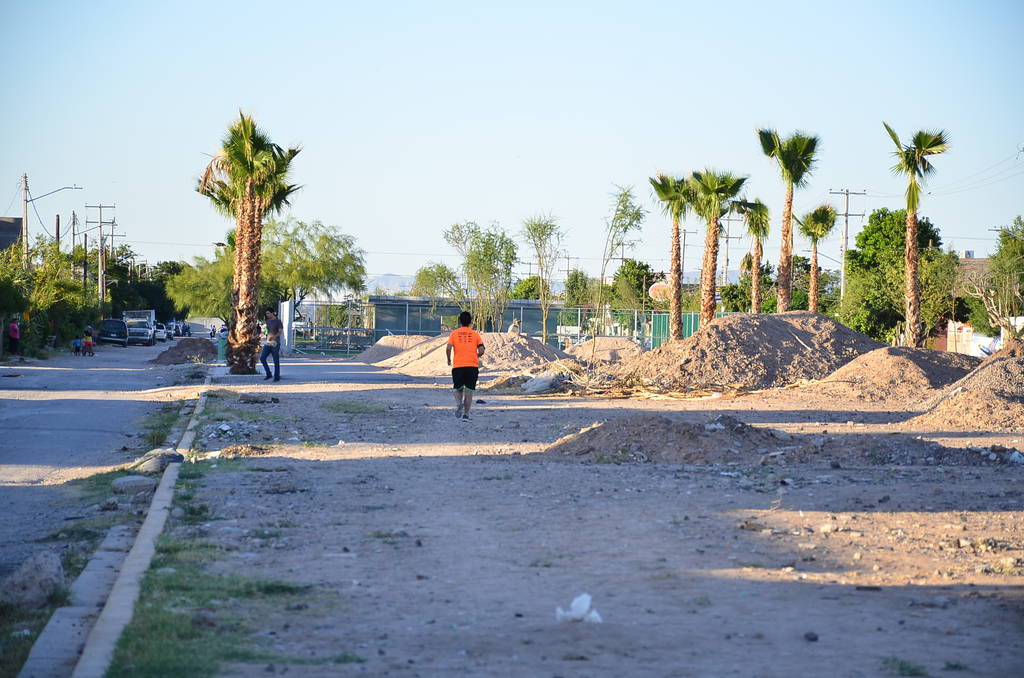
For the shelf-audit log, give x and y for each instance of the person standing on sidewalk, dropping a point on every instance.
(13, 336)
(467, 346)
(273, 345)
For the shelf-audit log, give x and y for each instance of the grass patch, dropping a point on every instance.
(158, 425)
(19, 628)
(90, 529)
(175, 589)
(352, 407)
(902, 667)
(96, 487)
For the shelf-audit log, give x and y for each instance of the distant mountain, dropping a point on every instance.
(389, 283)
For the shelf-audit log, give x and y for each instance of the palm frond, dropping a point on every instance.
(892, 134)
(770, 143)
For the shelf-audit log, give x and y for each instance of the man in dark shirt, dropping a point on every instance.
(273, 345)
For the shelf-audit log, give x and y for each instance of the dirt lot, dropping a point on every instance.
(438, 548)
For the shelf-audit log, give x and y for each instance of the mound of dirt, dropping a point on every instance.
(1014, 348)
(608, 350)
(650, 437)
(752, 351)
(187, 349)
(504, 353)
(991, 398)
(389, 347)
(895, 373)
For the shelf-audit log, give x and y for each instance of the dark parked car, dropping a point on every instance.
(113, 331)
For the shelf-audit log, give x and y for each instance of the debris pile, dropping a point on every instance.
(504, 353)
(989, 398)
(609, 350)
(895, 373)
(751, 351)
(389, 347)
(187, 349)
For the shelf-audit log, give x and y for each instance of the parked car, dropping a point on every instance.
(141, 332)
(113, 331)
(160, 332)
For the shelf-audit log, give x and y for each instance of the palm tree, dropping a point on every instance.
(815, 226)
(713, 194)
(675, 196)
(247, 179)
(758, 221)
(796, 157)
(912, 160)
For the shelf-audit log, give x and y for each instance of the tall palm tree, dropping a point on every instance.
(675, 196)
(912, 160)
(713, 194)
(758, 220)
(815, 226)
(247, 179)
(796, 157)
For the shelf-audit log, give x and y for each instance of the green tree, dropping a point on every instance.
(998, 293)
(528, 288)
(309, 258)
(713, 198)
(912, 161)
(247, 179)
(815, 226)
(439, 281)
(577, 289)
(630, 284)
(544, 238)
(488, 257)
(676, 197)
(796, 156)
(758, 221)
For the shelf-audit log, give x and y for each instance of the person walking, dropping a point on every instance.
(13, 336)
(87, 343)
(467, 346)
(273, 345)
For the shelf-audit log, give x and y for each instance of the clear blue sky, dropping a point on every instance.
(415, 115)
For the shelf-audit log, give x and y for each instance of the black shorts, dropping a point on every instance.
(465, 378)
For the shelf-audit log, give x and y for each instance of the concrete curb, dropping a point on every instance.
(120, 606)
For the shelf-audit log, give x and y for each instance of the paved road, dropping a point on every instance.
(325, 370)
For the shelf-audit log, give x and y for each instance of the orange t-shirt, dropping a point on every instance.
(464, 342)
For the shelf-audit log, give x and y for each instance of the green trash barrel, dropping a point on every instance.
(222, 348)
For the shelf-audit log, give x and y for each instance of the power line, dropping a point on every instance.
(845, 243)
(36, 210)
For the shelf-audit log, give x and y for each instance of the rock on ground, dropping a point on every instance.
(34, 582)
(132, 484)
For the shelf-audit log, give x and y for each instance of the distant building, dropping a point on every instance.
(971, 266)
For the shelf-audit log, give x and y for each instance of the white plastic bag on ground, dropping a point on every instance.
(580, 610)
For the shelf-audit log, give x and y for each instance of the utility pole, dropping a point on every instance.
(682, 255)
(85, 260)
(846, 234)
(101, 272)
(727, 238)
(56, 232)
(24, 220)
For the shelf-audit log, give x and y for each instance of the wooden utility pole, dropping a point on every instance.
(101, 273)
(725, 269)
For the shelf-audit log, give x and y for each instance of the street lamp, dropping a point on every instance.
(25, 200)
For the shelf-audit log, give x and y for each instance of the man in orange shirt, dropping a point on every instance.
(467, 346)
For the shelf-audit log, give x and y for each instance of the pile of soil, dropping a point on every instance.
(990, 398)
(504, 353)
(609, 350)
(752, 351)
(650, 437)
(895, 373)
(389, 347)
(185, 350)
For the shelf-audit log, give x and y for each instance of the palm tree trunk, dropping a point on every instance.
(244, 338)
(785, 279)
(708, 270)
(675, 304)
(755, 277)
(913, 287)
(812, 294)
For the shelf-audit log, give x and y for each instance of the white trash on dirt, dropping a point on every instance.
(579, 611)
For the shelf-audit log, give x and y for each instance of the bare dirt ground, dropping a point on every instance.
(438, 548)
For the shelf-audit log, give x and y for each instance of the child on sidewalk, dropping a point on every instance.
(87, 344)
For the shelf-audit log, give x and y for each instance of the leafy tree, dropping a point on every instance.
(713, 198)
(875, 295)
(246, 180)
(528, 288)
(488, 257)
(544, 238)
(815, 226)
(796, 156)
(999, 292)
(676, 196)
(577, 289)
(626, 217)
(630, 284)
(439, 281)
(758, 221)
(912, 161)
(310, 258)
